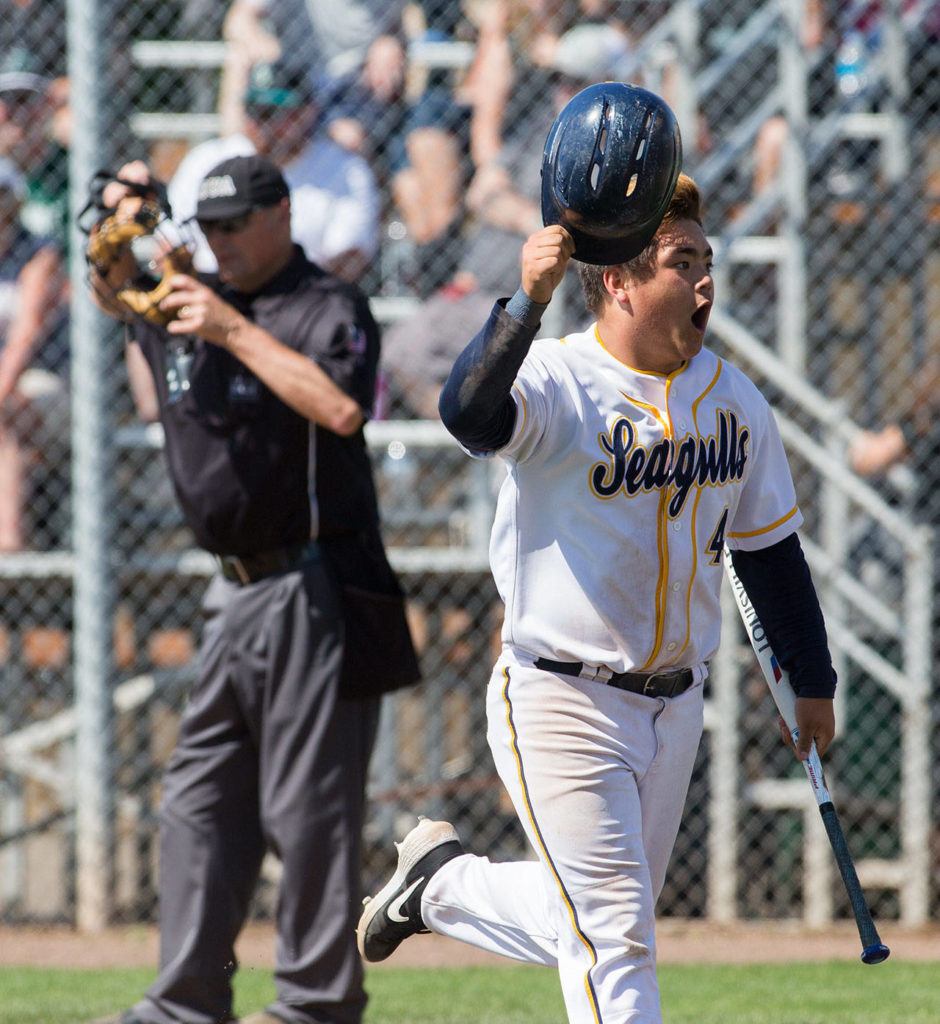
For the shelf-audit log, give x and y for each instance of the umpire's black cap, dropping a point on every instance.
(239, 185)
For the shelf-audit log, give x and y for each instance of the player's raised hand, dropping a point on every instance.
(545, 256)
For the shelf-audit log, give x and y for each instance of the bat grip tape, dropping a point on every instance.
(853, 887)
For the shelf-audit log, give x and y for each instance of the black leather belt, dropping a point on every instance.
(244, 569)
(656, 684)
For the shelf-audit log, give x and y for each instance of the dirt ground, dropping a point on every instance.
(679, 942)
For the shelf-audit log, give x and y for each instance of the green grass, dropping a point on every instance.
(826, 993)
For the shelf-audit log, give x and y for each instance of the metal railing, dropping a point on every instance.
(847, 605)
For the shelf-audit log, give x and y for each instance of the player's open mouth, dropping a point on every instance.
(700, 316)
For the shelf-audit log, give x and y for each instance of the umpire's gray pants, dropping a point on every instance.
(267, 757)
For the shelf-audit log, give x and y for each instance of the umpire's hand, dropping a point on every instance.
(136, 171)
(199, 310)
(545, 256)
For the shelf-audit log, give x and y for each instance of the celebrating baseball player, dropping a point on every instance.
(634, 457)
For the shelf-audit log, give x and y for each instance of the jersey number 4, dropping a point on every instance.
(717, 543)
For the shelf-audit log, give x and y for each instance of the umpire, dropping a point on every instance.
(263, 381)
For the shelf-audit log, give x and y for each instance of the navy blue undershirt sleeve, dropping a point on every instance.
(527, 311)
(476, 403)
(778, 583)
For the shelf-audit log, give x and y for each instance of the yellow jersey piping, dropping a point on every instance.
(536, 831)
(766, 529)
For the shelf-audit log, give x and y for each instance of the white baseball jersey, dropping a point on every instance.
(622, 489)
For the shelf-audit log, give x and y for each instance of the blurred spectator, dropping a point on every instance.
(913, 438)
(335, 204)
(923, 106)
(354, 51)
(455, 127)
(201, 20)
(33, 134)
(32, 36)
(430, 164)
(504, 202)
(514, 37)
(841, 42)
(250, 40)
(550, 20)
(817, 37)
(34, 415)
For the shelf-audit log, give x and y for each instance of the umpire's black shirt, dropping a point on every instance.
(251, 474)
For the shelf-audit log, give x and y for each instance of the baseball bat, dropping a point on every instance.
(873, 949)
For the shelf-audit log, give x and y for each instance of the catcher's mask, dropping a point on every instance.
(609, 169)
(140, 224)
(94, 210)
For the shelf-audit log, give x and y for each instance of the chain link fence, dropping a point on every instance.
(814, 131)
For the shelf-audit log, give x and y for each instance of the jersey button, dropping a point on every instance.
(677, 586)
(671, 646)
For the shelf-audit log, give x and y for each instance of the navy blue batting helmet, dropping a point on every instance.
(609, 169)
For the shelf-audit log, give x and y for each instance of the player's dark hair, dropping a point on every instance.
(686, 204)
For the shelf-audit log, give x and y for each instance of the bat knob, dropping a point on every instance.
(875, 954)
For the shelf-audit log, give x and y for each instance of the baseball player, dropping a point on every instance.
(634, 456)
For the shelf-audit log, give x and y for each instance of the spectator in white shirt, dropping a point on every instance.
(335, 204)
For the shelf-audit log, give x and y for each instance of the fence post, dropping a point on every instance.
(915, 730)
(92, 591)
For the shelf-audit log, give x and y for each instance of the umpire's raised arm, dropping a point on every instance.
(475, 404)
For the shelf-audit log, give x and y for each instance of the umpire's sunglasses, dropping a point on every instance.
(226, 225)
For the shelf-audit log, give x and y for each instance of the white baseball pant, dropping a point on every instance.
(598, 777)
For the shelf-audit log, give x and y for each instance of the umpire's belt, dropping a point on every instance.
(656, 684)
(251, 568)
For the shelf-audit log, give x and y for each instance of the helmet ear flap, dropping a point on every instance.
(609, 169)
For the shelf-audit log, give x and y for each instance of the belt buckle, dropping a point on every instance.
(650, 682)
